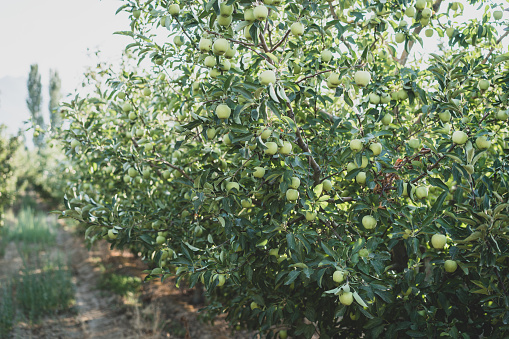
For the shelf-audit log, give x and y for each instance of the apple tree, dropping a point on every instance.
(304, 165)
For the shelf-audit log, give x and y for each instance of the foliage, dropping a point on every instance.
(156, 168)
(34, 102)
(119, 284)
(54, 98)
(8, 148)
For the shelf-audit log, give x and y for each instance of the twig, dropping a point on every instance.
(493, 48)
(435, 165)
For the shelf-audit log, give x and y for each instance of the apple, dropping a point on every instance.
(410, 11)
(369, 222)
(385, 98)
(363, 253)
(132, 172)
(356, 145)
(231, 185)
(438, 241)
(221, 280)
(160, 239)
(295, 183)
(429, 32)
(274, 252)
(205, 45)
(253, 305)
(271, 148)
(297, 28)
(178, 41)
(346, 298)
(259, 172)
(132, 116)
(402, 94)
(334, 79)
(374, 98)
(230, 52)
(421, 192)
(225, 65)
(310, 216)
(420, 4)
(225, 10)
(376, 148)
(249, 15)
(361, 178)
(362, 78)
(450, 266)
(459, 137)
(338, 276)
(470, 169)
(286, 149)
(445, 116)
(260, 12)
(283, 334)
(414, 143)
(210, 61)
(223, 111)
(387, 119)
(364, 162)
(292, 195)
(326, 55)
(247, 35)
(400, 37)
(267, 77)
(405, 189)
(214, 73)
(266, 133)
(482, 142)
(174, 9)
(75, 143)
(121, 95)
(196, 86)
(350, 167)
(454, 6)
(220, 46)
(426, 13)
(497, 15)
(484, 84)
(137, 13)
(147, 91)
(111, 234)
(502, 115)
(327, 185)
(127, 107)
(450, 32)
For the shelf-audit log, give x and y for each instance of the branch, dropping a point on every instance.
(280, 42)
(493, 48)
(173, 166)
(314, 75)
(435, 165)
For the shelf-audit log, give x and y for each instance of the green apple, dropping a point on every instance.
(225, 10)
(210, 61)
(363, 253)
(310, 216)
(178, 41)
(146, 173)
(253, 305)
(211, 133)
(75, 143)
(132, 116)
(327, 185)
(364, 162)
(326, 55)
(334, 79)
(286, 148)
(356, 145)
(271, 148)
(410, 11)
(362, 78)
(402, 95)
(385, 98)
(205, 45)
(267, 77)
(247, 35)
(482, 142)
(429, 32)
(230, 52)
(459, 137)
(223, 111)
(111, 234)
(274, 252)
(369, 222)
(160, 239)
(246, 203)
(450, 266)
(374, 98)
(405, 189)
(361, 178)
(438, 241)
(147, 91)
(414, 143)
(214, 73)
(220, 46)
(221, 280)
(297, 28)
(283, 334)
(174, 9)
(400, 37)
(470, 169)
(259, 172)
(231, 185)
(445, 116)
(387, 119)
(421, 192)
(266, 133)
(292, 195)
(225, 65)
(137, 13)
(497, 15)
(132, 172)
(338, 276)
(450, 32)
(420, 4)
(454, 6)
(346, 298)
(295, 183)
(376, 148)
(166, 174)
(484, 84)
(351, 166)
(426, 13)
(249, 15)
(502, 114)
(121, 95)
(260, 12)
(127, 107)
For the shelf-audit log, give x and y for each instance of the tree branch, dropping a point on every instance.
(493, 48)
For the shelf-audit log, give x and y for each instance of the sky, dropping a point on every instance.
(56, 34)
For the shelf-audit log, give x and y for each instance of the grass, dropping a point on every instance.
(33, 228)
(7, 312)
(119, 284)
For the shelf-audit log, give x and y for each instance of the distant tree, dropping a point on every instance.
(34, 101)
(54, 98)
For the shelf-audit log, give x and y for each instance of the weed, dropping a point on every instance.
(7, 311)
(119, 284)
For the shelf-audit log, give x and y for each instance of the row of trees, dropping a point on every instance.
(295, 160)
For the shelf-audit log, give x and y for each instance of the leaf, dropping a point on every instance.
(272, 93)
(318, 190)
(359, 299)
(291, 277)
